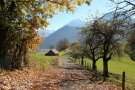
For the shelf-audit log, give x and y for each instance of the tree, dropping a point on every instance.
(92, 42)
(19, 21)
(110, 33)
(76, 51)
(63, 44)
(126, 7)
(103, 40)
(83, 51)
(130, 46)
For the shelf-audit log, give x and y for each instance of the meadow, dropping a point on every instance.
(42, 62)
(116, 66)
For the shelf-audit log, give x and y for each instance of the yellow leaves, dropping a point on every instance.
(72, 8)
(23, 12)
(46, 8)
(32, 40)
(39, 11)
(79, 2)
(44, 24)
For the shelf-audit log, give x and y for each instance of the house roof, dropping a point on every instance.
(55, 51)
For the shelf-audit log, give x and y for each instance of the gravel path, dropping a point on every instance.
(75, 78)
(69, 76)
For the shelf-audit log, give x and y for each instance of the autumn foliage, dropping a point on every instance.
(19, 21)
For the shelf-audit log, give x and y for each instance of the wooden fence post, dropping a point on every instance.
(82, 61)
(123, 81)
(85, 64)
(90, 66)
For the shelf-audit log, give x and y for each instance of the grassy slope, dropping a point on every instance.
(41, 61)
(64, 52)
(117, 66)
(120, 65)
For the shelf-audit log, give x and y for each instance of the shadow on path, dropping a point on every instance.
(74, 77)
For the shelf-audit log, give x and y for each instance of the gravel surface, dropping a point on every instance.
(76, 78)
(68, 76)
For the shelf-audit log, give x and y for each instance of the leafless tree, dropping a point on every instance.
(126, 7)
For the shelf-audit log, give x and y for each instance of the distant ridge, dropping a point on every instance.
(70, 31)
(44, 33)
(76, 23)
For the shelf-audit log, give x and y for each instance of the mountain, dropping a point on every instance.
(107, 16)
(45, 33)
(69, 31)
(110, 15)
(76, 23)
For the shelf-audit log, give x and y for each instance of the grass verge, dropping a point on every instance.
(116, 67)
(42, 62)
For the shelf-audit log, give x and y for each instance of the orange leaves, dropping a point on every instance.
(29, 79)
(43, 8)
(52, 79)
(39, 11)
(32, 41)
(23, 20)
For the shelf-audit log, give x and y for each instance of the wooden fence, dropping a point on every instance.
(87, 66)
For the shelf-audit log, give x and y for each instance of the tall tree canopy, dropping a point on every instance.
(19, 20)
(33, 14)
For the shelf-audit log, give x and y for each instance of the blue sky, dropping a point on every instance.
(81, 12)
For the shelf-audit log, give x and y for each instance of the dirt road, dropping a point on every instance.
(68, 76)
(76, 78)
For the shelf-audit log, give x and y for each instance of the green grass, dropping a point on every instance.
(117, 66)
(41, 61)
(64, 52)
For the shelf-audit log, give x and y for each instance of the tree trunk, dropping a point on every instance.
(94, 65)
(18, 58)
(2, 59)
(25, 60)
(105, 68)
(82, 62)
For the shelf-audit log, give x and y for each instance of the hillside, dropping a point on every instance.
(69, 31)
(45, 33)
